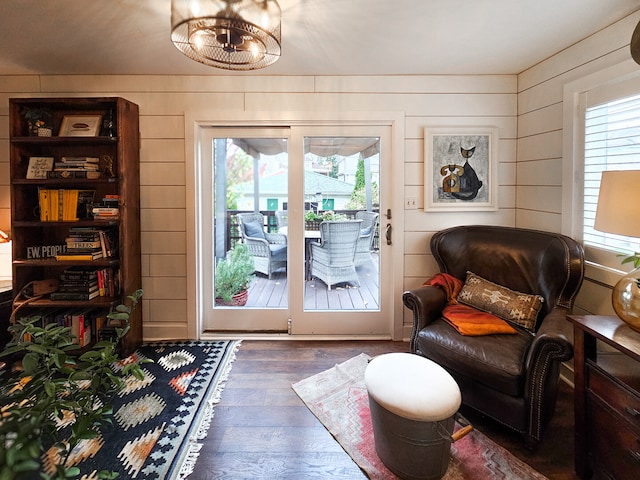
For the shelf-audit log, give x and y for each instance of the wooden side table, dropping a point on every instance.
(607, 397)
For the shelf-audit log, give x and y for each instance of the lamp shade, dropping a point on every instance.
(619, 203)
(229, 34)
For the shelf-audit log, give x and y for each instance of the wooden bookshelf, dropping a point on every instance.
(117, 145)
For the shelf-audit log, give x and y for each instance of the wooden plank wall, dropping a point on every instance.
(539, 174)
(526, 108)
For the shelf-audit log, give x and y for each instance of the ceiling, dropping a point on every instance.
(319, 37)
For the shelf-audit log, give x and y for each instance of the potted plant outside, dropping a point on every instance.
(233, 276)
(313, 220)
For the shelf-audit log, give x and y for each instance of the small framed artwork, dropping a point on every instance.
(80, 126)
(39, 166)
(460, 168)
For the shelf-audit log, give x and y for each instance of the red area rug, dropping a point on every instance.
(338, 398)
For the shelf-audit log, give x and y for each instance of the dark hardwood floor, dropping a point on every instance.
(262, 430)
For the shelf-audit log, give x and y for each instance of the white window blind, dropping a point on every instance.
(611, 142)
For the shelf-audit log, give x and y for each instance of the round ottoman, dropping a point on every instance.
(413, 402)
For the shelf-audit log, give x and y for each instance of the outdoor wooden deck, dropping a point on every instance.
(265, 293)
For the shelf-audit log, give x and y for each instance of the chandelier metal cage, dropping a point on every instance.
(231, 34)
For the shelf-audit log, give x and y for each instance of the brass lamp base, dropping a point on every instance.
(626, 299)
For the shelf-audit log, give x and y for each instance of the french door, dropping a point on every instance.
(286, 181)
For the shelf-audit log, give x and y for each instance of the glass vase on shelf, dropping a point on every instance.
(109, 125)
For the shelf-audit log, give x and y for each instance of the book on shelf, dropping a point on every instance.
(80, 323)
(78, 284)
(58, 296)
(75, 245)
(75, 166)
(70, 257)
(105, 212)
(69, 173)
(66, 287)
(39, 167)
(73, 275)
(80, 160)
(108, 282)
(63, 204)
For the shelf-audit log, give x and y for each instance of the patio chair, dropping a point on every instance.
(332, 260)
(282, 220)
(269, 250)
(367, 233)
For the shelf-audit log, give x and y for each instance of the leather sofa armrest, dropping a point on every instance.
(426, 303)
(553, 343)
(557, 330)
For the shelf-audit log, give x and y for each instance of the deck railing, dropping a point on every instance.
(233, 232)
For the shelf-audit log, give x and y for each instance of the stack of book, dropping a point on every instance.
(108, 209)
(77, 284)
(76, 167)
(83, 243)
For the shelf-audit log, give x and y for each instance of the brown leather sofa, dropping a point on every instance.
(511, 378)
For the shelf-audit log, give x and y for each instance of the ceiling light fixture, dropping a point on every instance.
(231, 34)
(635, 44)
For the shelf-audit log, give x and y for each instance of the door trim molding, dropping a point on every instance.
(196, 121)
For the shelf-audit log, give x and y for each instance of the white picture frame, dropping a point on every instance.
(460, 168)
(80, 126)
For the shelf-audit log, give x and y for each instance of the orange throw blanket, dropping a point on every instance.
(465, 319)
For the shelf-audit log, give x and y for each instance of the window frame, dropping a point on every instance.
(604, 266)
(606, 116)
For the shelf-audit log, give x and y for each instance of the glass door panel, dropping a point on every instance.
(249, 254)
(344, 260)
(305, 202)
(342, 204)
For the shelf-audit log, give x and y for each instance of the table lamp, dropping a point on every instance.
(618, 212)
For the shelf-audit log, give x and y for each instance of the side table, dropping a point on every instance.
(607, 397)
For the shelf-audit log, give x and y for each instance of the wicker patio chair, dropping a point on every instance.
(332, 260)
(282, 219)
(367, 233)
(269, 250)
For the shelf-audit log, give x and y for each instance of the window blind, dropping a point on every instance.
(611, 142)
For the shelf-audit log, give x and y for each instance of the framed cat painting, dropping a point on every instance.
(460, 168)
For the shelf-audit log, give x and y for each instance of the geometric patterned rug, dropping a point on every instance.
(158, 421)
(338, 398)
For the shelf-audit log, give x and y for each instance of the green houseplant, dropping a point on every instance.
(56, 383)
(233, 275)
(36, 117)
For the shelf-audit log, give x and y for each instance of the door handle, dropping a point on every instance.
(387, 233)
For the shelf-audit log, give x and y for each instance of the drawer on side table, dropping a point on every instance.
(622, 400)
(616, 447)
(614, 430)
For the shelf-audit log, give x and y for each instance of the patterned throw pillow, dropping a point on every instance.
(515, 307)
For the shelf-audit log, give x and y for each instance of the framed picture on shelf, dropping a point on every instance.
(460, 168)
(80, 126)
(39, 166)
